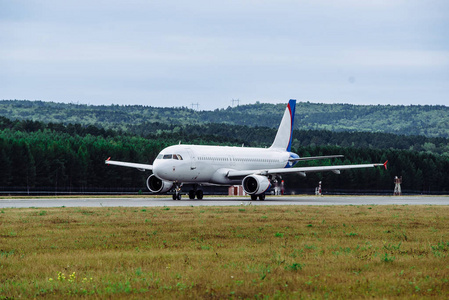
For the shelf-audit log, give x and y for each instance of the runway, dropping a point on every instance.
(222, 201)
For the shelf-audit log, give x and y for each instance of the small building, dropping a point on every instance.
(236, 190)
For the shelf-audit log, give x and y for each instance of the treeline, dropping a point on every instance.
(264, 136)
(425, 120)
(422, 172)
(238, 135)
(71, 158)
(59, 161)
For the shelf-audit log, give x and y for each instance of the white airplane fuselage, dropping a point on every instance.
(212, 163)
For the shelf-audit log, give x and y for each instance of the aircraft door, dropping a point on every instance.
(194, 172)
(192, 159)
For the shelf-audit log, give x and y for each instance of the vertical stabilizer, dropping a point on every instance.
(283, 139)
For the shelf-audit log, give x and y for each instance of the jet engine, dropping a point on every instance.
(157, 185)
(255, 184)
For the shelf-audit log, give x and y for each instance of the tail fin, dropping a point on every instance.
(283, 139)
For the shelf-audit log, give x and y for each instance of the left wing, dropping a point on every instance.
(301, 170)
(140, 167)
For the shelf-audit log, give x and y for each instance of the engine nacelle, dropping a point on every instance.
(157, 185)
(256, 184)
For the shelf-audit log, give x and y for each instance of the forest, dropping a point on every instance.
(416, 120)
(69, 158)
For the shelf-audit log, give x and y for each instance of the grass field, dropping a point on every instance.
(258, 252)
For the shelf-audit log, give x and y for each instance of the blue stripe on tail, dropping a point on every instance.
(291, 108)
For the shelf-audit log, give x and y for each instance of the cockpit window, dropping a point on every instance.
(169, 156)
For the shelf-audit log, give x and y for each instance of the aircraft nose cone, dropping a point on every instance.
(164, 169)
(158, 169)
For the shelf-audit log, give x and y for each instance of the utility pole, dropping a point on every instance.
(235, 101)
(195, 104)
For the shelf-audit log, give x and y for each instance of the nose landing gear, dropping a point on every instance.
(177, 192)
(177, 196)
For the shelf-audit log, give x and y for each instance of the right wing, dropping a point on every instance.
(301, 170)
(140, 167)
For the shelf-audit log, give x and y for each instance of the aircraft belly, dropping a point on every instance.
(209, 174)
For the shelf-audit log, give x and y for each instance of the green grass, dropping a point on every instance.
(284, 252)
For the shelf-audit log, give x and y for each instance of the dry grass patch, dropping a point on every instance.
(225, 252)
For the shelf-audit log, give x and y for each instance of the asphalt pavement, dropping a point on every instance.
(221, 201)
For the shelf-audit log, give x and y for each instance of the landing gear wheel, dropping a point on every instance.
(262, 197)
(178, 196)
(253, 197)
(199, 194)
(192, 194)
(174, 196)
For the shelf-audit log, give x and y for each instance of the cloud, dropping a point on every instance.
(398, 58)
(204, 50)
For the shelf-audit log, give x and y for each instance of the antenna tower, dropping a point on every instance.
(195, 104)
(235, 101)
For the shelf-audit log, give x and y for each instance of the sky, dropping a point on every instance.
(176, 53)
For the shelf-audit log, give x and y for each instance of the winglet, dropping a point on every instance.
(109, 158)
(385, 164)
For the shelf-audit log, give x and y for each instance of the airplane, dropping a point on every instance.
(253, 168)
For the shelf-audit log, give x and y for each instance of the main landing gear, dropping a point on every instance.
(261, 197)
(198, 193)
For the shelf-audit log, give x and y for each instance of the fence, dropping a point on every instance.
(208, 190)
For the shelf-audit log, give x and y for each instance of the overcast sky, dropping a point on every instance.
(175, 53)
